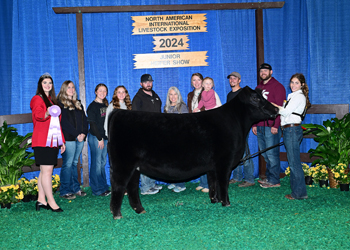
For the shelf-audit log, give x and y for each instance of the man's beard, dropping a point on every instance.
(268, 76)
(147, 88)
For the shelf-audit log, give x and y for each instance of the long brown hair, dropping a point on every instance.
(63, 97)
(40, 91)
(304, 87)
(105, 101)
(115, 99)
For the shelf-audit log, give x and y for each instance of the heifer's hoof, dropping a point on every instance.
(118, 217)
(140, 210)
(143, 212)
(226, 204)
(214, 200)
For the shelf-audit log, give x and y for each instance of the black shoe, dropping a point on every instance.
(39, 205)
(55, 210)
(106, 193)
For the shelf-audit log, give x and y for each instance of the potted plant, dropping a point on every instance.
(27, 188)
(55, 183)
(13, 154)
(10, 194)
(341, 174)
(333, 143)
(320, 173)
(307, 174)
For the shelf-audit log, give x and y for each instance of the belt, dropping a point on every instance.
(290, 125)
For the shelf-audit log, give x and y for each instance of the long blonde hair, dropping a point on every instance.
(71, 104)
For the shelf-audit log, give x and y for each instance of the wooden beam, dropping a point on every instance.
(82, 94)
(16, 119)
(175, 7)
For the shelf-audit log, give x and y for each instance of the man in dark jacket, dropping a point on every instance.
(147, 100)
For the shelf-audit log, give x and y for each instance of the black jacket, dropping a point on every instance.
(145, 102)
(73, 122)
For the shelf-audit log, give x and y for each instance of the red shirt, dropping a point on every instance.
(41, 124)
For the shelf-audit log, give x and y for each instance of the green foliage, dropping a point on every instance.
(333, 141)
(13, 155)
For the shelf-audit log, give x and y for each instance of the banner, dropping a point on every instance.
(161, 24)
(170, 60)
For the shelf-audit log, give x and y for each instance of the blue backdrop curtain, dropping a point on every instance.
(311, 37)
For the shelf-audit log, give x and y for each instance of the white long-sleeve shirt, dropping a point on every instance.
(296, 104)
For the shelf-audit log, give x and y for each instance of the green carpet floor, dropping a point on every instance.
(257, 219)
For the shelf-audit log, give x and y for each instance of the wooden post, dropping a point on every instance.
(81, 66)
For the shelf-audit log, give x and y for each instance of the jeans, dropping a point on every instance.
(292, 137)
(272, 157)
(98, 181)
(69, 174)
(146, 183)
(203, 181)
(248, 167)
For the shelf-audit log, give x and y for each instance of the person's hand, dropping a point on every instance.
(47, 113)
(101, 144)
(81, 137)
(274, 131)
(63, 148)
(196, 110)
(254, 130)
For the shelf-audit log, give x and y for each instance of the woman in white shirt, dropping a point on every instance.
(292, 114)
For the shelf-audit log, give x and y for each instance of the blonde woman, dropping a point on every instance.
(75, 128)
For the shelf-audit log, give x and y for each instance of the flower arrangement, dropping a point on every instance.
(55, 183)
(10, 194)
(26, 186)
(34, 184)
(333, 141)
(341, 173)
(287, 171)
(306, 169)
(319, 172)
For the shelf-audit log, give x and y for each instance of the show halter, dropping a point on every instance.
(54, 133)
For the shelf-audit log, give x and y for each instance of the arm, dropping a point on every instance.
(218, 102)
(296, 104)
(65, 124)
(136, 103)
(92, 117)
(108, 111)
(39, 110)
(279, 97)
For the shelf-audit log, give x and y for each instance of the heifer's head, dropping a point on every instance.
(256, 105)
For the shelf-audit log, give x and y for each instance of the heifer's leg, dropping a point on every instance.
(213, 187)
(133, 193)
(223, 176)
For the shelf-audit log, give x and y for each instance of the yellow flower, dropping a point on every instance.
(336, 175)
(20, 196)
(36, 188)
(4, 189)
(54, 186)
(57, 177)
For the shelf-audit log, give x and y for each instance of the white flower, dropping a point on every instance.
(328, 129)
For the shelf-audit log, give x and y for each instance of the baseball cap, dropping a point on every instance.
(236, 74)
(265, 66)
(146, 78)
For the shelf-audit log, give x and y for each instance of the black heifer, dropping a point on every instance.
(176, 148)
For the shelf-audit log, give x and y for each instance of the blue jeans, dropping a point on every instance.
(203, 181)
(69, 174)
(272, 157)
(146, 183)
(98, 181)
(248, 168)
(292, 138)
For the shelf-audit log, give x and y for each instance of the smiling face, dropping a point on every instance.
(196, 82)
(101, 93)
(295, 84)
(70, 90)
(234, 82)
(208, 84)
(47, 86)
(265, 74)
(121, 94)
(173, 97)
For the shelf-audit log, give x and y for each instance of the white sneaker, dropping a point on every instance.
(151, 191)
(178, 189)
(171, 186)
(158, 187)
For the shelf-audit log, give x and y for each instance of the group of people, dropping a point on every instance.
(74, 130)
